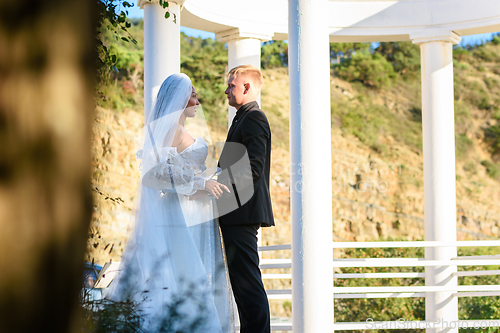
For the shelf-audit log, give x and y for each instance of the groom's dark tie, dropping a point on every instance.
(235, 119)
(233, 124)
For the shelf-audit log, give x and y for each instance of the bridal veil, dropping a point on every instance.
(173, 266)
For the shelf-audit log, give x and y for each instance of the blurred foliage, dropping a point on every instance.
(129, 315)
(274, 54)
(103, 316)
(376, 68)
(113, 20)
(492, 135)
(492, 169)
(121, 80)
(372, 70)
(409, 309)
(463, 143)
(205, 62)
(404, 56)
(371, 122)
(462, 117)
(487, 52)
(346, 50)
(476, 94)
(461, 54)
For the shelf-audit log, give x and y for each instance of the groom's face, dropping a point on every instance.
(236, 91)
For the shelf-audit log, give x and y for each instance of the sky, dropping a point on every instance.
(136, 12)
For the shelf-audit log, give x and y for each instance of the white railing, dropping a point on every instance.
(393, 291)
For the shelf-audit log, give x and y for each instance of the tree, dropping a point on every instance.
(110, 19)
(47, 75)
(372, 70)
(274, 53)
(346, 50)
(205, 62)
(404, 56)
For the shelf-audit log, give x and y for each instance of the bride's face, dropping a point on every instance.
(193, 102)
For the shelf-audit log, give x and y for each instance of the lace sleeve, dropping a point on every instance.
(178, 177)
(198, 184)
(173, 173)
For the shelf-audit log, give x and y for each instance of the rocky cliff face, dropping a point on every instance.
(115, 179)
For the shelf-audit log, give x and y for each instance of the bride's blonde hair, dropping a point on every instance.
(250, 72)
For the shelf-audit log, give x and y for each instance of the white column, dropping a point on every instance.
(311, 163)
(162, 49)
(243, 48)
(438, 128)
(242, 51)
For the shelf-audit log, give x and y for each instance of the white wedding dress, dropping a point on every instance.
(174, 265)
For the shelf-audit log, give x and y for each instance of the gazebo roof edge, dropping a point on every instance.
(350, 21)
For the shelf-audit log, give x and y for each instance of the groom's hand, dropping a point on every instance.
(215, 188)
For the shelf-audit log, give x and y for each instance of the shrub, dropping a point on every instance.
(372, 70)
(492, 136)
(404, 56)
(476, 94)
(205, 62)
(460, 65)
(461, 54)
(491, 169)
(496, 113)
(274, 54)
(105, 316)
(462, 111)
(470, 167)
(496, 40)
(462, 145)
(459, 88)
(487, 52)
(127, 316)
(127, 57)
(495, 68)
(492, 83)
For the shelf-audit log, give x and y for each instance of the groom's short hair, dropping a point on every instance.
(250, 72)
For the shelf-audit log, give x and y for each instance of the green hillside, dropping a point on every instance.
(375, 92)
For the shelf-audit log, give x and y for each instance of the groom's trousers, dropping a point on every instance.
(240, 243)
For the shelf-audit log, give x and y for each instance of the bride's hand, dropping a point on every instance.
(215, 188)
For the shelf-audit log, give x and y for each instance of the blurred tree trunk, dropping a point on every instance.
(46, 103)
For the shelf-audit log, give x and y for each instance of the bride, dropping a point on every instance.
(173, 266)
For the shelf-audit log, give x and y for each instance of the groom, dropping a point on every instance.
(239, 227)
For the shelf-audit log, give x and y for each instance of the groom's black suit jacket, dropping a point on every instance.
(251, 129)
